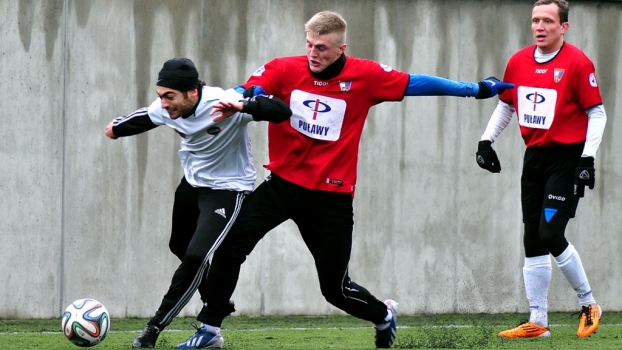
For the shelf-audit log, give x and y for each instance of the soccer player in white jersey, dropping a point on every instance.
(562, 120)
(218, 169)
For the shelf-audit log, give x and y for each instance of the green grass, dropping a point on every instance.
(449, 331)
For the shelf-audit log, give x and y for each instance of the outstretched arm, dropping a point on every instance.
(131, 124)
(427, 85)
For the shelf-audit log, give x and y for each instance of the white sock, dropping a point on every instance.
(386, 322)
(537, 278)
(570, 264)
(211, 329)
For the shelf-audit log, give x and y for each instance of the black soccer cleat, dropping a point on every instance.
(147, 338)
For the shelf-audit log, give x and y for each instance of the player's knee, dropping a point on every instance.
(552, 230)
(225, 257)
(531, 240)
(332, 290)
(333, 296)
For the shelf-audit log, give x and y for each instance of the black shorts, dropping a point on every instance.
(548, 180)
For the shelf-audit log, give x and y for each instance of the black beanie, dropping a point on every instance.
(179, 74)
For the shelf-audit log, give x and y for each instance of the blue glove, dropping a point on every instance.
(491, 87)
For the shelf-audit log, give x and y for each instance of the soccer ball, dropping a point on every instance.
(85, 322)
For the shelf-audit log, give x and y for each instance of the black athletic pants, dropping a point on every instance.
(325, 220)
(202, 218)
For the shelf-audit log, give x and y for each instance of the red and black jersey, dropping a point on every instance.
(318, 148)
(551, 98)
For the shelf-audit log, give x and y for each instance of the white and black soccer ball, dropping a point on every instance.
(86, 322)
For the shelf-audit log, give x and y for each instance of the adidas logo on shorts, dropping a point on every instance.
(221, 212)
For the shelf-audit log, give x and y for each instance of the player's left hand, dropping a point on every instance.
(584, 176)
(226, 109)
(491, 87)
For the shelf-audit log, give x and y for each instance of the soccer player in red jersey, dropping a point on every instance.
(562, 120)
(313, 161)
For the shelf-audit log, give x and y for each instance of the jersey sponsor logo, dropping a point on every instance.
(558, 74)
(320, 83)
(385, 67)
(536, 99)
(317, 107)
(536, 107)
(557, 198)
(316, 116)
(214, 131)
(259, 71)
(541, 71)
(593, 80)
(345, 85)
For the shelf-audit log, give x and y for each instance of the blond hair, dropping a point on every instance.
(328, 22)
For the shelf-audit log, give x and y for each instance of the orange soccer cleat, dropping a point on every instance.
(589, 320)
(526, 330)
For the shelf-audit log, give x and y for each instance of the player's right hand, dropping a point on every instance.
(225, 109)
(486, 157)
(584, 176)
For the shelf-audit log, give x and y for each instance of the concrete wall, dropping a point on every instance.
(84, 216)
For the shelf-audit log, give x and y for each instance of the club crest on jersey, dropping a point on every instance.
(386, 68)
(345, 85)
(259, 71)
(214, 131)
(558, 74)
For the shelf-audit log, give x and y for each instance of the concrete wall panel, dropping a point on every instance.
(31, 156)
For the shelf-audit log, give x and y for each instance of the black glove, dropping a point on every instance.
(584, 176)
(486, 157)
(491, 87)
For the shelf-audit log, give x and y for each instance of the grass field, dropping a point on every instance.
(455, 331)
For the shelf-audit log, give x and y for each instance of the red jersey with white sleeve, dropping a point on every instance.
(318, 148)
(551, 98)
